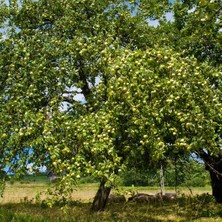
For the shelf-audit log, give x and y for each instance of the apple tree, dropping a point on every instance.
(84, 90)
(196, 31)
(54, 85)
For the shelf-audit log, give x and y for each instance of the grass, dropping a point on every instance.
(200, 208)
(17, 206)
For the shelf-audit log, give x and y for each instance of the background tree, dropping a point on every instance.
(208, 25)
(197, 32)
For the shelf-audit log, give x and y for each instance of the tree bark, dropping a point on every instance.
(101, 197)
(216, 180)
(214, 166)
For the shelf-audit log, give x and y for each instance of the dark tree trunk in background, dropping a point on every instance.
(101, 197)
(214, 166)
(162, 185)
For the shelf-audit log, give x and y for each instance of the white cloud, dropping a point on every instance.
(40, 169)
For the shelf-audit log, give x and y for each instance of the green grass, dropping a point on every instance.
(18, 205)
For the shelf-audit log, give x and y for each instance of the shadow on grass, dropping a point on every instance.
(182, 209)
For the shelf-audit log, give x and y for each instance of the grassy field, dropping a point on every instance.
(19, 205)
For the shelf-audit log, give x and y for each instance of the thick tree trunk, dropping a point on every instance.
(101, 197)
(216, 180)
(214, 166)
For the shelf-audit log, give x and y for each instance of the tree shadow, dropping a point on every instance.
(181, 209)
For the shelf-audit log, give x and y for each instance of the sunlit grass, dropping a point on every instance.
(200, 208)
(19, 205)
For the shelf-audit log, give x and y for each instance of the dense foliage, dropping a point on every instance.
(89, 88)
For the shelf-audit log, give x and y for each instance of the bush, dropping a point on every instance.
(88, 179)
(139, 178)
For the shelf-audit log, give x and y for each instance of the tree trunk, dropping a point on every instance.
(216, 180)
(101, 197)
(216, 183)
(214, 166)
(162, 186)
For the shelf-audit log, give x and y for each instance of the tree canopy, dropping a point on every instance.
(88, 87)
